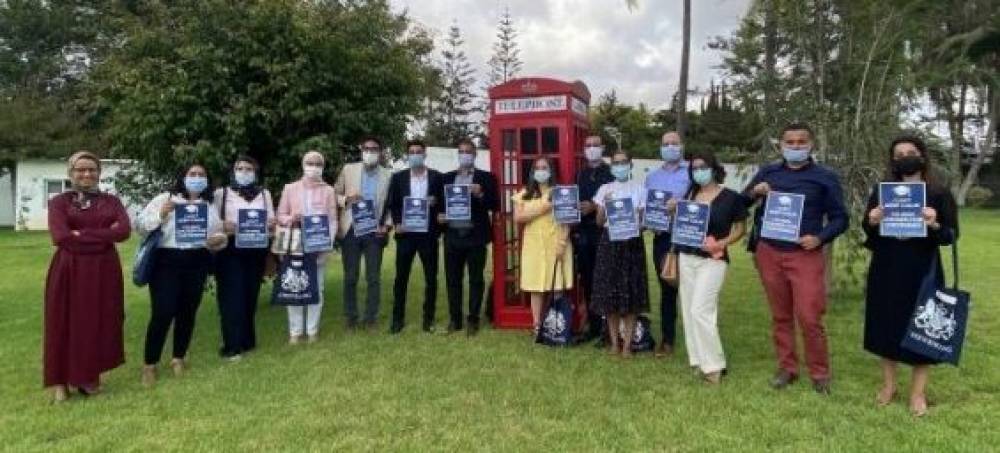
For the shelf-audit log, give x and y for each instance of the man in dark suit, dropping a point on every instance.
(465, 241)
(419, 182)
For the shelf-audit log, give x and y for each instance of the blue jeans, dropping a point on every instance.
(352, 250)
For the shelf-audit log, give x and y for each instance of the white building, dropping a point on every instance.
(24, 202)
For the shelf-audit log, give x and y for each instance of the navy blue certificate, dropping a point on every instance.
(566, 204)
(457, 202)
(690, 223)
(656, 217)
(363, 214)
(782, 216)
(316, 235)
(191, 225)
(416, 215)
(622, 222)
(251, 229)
(903, 206)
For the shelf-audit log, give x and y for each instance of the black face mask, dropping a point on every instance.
(907, 166)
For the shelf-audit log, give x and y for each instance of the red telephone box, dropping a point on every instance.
(529, 117)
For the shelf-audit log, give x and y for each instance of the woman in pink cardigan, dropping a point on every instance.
(309, 195)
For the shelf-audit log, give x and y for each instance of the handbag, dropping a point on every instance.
(296, 283)
(145, 257)
(642, 338)
(937, 327)
(668, 270)
(557, 324)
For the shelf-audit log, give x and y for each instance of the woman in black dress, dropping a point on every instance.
(620, 287)
(897, 268)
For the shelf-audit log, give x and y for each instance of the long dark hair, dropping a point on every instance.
(532, 189)
(718, 171)
(178, 187)
(927, 174)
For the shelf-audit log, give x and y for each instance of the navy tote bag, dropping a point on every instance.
(937, 326)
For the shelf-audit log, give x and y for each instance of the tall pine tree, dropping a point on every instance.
(505, 63)
(453, 111)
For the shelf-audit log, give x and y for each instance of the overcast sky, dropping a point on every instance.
(599, 42)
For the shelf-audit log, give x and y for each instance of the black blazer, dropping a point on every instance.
(399, 187)
(482, 230)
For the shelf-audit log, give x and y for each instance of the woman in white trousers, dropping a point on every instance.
(702, 270)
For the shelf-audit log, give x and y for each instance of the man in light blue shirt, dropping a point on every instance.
(671, 177)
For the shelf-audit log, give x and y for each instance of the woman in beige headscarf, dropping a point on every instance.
(84, 293)
(308, 196)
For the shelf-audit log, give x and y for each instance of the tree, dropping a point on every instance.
(682, 87)
(207, 80)
(452, 119)
(505, 63)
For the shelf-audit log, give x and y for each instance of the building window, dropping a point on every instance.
(55, 187)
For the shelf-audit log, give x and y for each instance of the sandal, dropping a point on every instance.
(918, 406)
(881, 400)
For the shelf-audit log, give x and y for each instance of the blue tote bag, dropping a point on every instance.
(145, 256)
(937, 326)
(557, 325)
(296, 283)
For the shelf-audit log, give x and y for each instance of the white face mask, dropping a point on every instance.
(593, 153)
(312, 171)
(369, 159)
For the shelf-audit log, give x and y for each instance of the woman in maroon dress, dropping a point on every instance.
(84, 293)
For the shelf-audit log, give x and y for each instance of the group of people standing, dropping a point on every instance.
(84, 303)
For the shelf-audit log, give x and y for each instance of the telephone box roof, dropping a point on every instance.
(539, 86)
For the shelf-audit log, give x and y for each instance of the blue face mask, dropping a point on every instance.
(795, 156)
(702, 176)
(244, 178)
(466, 160)
(541, 176)
(671, 153)
(415, 160)
(621, 172)
(195, 184)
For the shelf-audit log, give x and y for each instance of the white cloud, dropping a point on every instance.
(637, 53)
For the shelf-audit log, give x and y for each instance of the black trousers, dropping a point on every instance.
(668, 294)
(585, 249)
(458, 255)
(175, 291)
(238, 276)
(408, 247)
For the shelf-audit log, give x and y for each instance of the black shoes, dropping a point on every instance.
(395, 329)
(472, 329)
(782, 379)
(428, 326)
(822, 386)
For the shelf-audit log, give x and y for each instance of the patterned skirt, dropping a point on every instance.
(620, 285)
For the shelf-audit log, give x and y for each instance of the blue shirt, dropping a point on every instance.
(674, 180)
(369, 185)
(823, 214)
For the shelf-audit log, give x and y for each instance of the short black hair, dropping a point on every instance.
(465, 141)
(419, 143)
(797, 126)
(371, 138)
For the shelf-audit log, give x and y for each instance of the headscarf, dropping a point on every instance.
(311, 182)
(250, 192)
(83, 198)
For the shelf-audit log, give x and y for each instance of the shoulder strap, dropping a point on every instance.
(954, 263)
(225, 196)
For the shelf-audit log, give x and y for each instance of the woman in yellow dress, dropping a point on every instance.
(544, 243)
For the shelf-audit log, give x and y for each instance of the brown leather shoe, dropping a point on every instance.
(822, 386)
(178, 366)
(664, 350)
(148, 375)
(782, 379)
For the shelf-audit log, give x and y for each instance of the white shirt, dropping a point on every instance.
(418, 185)
(628, 189)
(234, 202)
(150, 220)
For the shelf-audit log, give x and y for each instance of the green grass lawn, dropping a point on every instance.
(497, 391)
